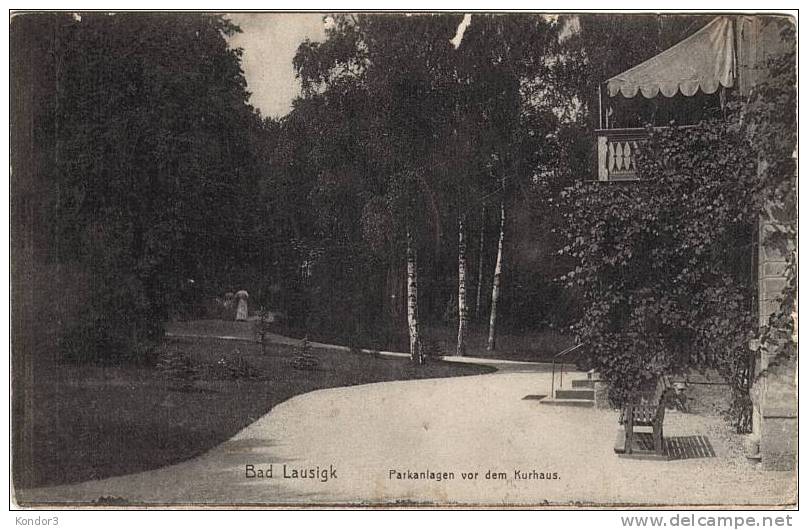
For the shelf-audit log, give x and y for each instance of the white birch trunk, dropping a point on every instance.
(480, 266)
(462, 312)
(416, 354)
(497, 279)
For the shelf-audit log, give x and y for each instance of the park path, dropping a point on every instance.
(476, 425)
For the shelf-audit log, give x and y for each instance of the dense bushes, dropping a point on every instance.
(664, 264)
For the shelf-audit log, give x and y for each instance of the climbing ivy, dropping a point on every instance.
(666, 265)
(770, 118)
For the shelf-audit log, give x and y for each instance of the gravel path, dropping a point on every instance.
(365, 440)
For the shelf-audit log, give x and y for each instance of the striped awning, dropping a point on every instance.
(704, 61)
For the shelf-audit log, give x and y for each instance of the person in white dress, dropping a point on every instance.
(241, 309)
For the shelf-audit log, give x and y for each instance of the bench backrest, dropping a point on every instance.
(657, 397)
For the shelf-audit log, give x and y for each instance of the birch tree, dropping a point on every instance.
(437, 119)
(492, 326)
(400, 66)
(506, 62)
(480, 262)
(462, 313)
(416, 350)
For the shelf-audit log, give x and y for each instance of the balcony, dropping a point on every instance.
(617, 149)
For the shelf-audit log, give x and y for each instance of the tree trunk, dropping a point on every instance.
(480, 266)
(497, 280)
(416, 355)
(462, 313)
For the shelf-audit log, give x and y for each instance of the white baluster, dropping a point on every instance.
(629, 160)
(611, 157)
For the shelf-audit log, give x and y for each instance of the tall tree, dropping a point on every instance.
(505, 63)
(464, 120)
(132, 172)
(462, 309)
(413, 325)
(480, 258)
(403, 117)
(495, 290)
(152, 163)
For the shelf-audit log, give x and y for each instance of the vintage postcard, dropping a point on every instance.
(403, 260)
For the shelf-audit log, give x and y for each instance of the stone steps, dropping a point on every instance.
(575, 393)
(568, 402)
(582, 394)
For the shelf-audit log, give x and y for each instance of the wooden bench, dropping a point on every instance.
(648, 410)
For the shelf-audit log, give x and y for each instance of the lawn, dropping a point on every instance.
(527, 345)
(91, 422)
(523, 346)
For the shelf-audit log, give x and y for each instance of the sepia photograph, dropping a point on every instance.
(389, 259)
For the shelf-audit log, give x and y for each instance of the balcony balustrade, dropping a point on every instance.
(617, 152)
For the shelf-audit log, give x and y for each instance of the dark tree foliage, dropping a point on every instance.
(377, 111)
(388, 102)
(153, 166)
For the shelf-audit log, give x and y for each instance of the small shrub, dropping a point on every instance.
(177, 365)
(303, 348)
(305, 363)
(236, 367)
(303, 359)
(261, 327)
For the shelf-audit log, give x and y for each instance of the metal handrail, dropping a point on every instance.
(568, 350)
(556, 356)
